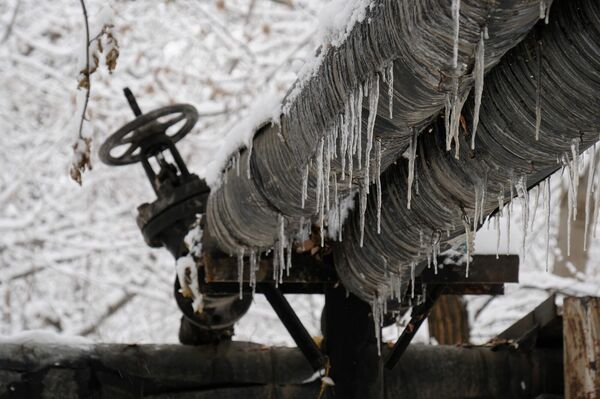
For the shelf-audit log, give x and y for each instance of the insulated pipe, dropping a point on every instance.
(558, 63)
(416, 39)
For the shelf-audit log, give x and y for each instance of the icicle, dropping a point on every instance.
(240, 260)
(345, 136)
(497, 225)
(281, 247)
(412, 278)
(358, 126)
(524, 194)
(373, 104)
(436, 251)
(457, 106)
(575, 173)
(320, 172)
(547, 210)
(588, 194)
(327, 173)
(547, 19)
(542, 9)
(508, 216)
(447, 109)
(237, 164)
(596, 190)
(378, 183)
(253, 270)
(363, 210)
(288, 261)
(476, 211)
(478, 72)
(482, 203)
(538, 92)
(390, 82)
(456, 20)
(305, 185)
(412, 154)
(469, 242)
(375, 309)
(249, 160)
(535, 206)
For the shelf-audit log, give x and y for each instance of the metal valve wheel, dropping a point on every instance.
(146, 133)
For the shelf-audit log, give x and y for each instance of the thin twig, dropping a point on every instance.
(13, 19)
(87, 67)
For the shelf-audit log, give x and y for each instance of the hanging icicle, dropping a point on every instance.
(547, 210)
(249, 160)
(378, 182)
(412, 154)
(479, 73)
(456, 21)
(240, 260)
(390, 82)
(588, 193)
(304, 194)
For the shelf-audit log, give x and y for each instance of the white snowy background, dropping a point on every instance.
(72, 260)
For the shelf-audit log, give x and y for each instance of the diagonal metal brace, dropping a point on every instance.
(294, 326)
(418, 315)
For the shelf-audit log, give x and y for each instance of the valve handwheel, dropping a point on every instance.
(147, 133)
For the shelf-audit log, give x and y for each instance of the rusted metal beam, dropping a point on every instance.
(581, 347)
(313, 270)
(241, 370)
(484, 269)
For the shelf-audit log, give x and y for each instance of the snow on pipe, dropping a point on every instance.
(316, 156)
(555, 73)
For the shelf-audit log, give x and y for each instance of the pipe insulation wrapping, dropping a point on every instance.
(332, 140)
(554, 73)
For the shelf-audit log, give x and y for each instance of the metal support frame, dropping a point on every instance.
(418, 316)
(294, 326)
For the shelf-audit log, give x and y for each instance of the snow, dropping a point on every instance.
(266, 109)
(338, 17)
(45, 337)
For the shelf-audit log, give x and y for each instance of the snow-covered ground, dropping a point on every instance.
(72, 260)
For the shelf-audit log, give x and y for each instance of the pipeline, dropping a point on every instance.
(332, 141)
(549, 86)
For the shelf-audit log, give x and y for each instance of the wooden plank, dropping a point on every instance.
(581, 324)
(449, 321)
